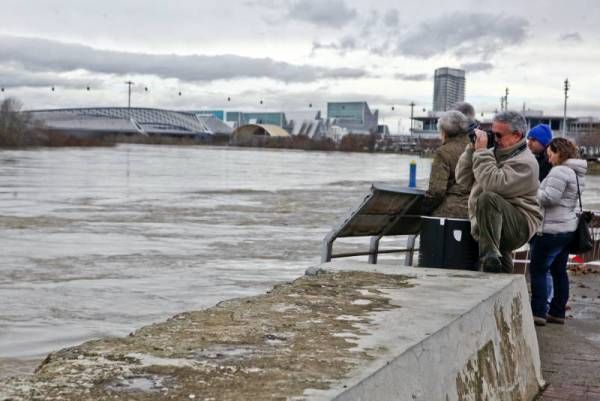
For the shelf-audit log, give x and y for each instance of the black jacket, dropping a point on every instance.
(545, 166)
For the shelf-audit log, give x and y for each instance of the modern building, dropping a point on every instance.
(254, 134)
(448, 88)
(585, 125)
(238, 118)
(98, 121)
(353, 117)
(220, 114)
(428, 123)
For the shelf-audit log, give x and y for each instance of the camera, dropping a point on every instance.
(472, 136)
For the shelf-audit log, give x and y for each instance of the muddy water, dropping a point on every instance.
(97, 242)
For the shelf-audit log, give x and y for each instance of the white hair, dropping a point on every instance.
(453, 123)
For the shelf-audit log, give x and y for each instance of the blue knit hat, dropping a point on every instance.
(541, 133)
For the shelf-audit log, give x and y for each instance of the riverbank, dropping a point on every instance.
(570, 354)
(343, 331)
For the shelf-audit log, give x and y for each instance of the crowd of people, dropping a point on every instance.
(515, 186)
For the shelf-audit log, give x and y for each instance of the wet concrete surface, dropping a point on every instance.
(570, 353)
(273, 347)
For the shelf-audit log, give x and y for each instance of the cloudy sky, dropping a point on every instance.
(292, 53)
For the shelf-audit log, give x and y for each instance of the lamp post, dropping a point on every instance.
(412, 109)
(129, 84)
(564, 127)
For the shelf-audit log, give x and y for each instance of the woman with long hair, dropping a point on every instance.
(558, 196)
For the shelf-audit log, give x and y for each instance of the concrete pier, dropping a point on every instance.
(346, 331)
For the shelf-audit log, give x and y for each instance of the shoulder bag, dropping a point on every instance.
(582, 241)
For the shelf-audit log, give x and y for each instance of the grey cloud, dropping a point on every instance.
(345, 44)
(40, 55)
(412, 77)
(464, 34)
(391, 18)
(477, 67)
(333, 13)
(571, 37)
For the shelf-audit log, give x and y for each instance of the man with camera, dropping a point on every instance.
(503, 206)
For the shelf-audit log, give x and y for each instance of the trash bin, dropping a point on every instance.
(447, 243)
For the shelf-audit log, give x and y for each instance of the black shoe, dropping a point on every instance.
(556, 320)
(490, 263)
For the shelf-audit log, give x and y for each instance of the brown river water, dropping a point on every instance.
(101, 241)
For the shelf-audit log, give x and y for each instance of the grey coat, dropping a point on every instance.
(558, 196)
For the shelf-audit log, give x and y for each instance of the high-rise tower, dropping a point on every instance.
(448, 88)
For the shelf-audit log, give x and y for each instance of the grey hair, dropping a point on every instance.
(453, 123)
(465, 108)
(513, 118)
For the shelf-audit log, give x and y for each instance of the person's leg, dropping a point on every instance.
(541, 258)
(560, 279)
(502, 229)
(549, 286)
(489, 220)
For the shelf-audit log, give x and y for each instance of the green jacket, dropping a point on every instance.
(511, 173)
(445, 197)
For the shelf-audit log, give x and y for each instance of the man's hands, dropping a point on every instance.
(482, 140)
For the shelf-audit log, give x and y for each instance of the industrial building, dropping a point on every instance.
(448, 88)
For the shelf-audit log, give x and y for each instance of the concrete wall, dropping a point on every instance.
(457, 336)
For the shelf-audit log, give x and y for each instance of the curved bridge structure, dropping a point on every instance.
(134, 120)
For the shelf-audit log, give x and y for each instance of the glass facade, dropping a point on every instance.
(349, 112)
(274, 118)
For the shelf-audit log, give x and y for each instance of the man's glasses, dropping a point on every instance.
(499, 135)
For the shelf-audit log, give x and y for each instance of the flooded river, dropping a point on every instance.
(97, 242)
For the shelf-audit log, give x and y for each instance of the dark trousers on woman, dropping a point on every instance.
(549, 252)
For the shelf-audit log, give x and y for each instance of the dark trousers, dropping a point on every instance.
(549, 252)
(502, 228)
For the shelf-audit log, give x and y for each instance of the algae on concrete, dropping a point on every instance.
(298, 336)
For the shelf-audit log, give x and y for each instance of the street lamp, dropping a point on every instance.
(564, 127)
(129, 84)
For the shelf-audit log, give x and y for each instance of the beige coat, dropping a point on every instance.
(511, 173)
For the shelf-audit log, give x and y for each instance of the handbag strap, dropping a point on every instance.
(578, 192)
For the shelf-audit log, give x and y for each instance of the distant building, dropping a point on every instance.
(353, 117)
(585, 125)
(98, 121)
(448, 88)
(255, 134)
(220, 114)
(428, 123)
(238, 118)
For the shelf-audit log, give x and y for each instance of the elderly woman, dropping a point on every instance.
(558, 196)
(445, 197)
